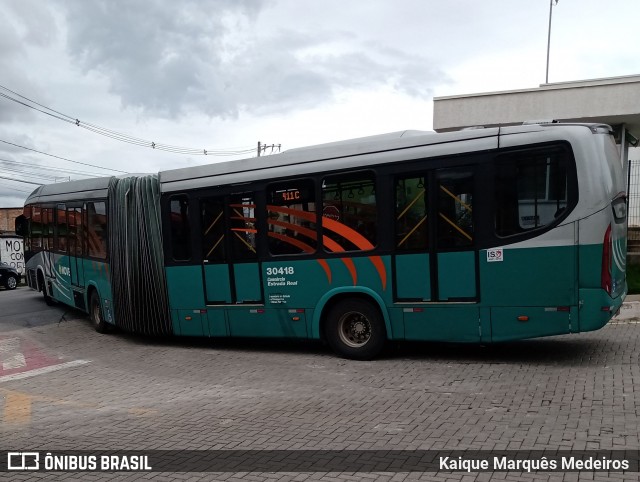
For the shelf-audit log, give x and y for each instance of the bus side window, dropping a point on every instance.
(97, 229)
(180, 228)
(76, 231)
(291, 218)
(35, 232)
(47, 229)
(60, 241)
(530, 191)
(213, 244)
(411, 214)
(241, 226)
(349, 212)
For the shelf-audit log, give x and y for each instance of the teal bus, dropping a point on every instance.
(482, 235)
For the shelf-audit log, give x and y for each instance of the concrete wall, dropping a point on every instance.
(612, 101)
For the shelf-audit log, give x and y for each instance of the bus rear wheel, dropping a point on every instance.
(355, 329)
(95, 314)
(47, 299)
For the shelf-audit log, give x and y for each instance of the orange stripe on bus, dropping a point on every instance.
(381, 269)
(293, 241)
(348, 262)
(327, 269)
(346, 232)
(309, 233)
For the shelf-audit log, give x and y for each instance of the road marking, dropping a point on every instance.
(17, 408)
(13, 362)
(10, 354)
(43, 370)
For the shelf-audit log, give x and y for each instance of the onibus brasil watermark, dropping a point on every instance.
(35, 461)
(311, 460)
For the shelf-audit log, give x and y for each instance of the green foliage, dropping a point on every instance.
(633, 278)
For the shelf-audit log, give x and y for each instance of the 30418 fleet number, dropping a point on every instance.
(280, 270)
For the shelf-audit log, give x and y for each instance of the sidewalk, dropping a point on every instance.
(630, 309)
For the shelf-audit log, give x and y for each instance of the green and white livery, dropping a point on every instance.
(480, 236)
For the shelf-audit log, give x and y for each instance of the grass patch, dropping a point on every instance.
(633, 278)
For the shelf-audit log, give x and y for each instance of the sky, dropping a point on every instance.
(222, 75)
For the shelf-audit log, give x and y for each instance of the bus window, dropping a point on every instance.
(47, 228)
(180, 228)
(530, 191)
(213, 249)
(411, 214)
(97, 229)
(455, 208)
(349, 212)
(242, 226)
(76, 231)
(35, 233)
(60, 240)
(291, 212)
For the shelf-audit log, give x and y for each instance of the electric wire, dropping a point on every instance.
(13, 188)
(25, 101)
(63, 158)
(40, 168)
(20, 180)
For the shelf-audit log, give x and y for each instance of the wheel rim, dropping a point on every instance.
(95, 312)
(11, 282)
(354, 329)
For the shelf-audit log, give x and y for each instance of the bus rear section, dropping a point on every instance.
(558, 262)
(603, 238)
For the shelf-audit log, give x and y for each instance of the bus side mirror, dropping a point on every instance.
(22, 226)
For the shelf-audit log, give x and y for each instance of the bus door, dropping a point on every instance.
(215, 267)
(436, 255)
(453, 223)
(76, 241)
(242, 231)
(231, 271)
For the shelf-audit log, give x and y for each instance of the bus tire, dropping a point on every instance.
(95, 314)
(355, 329)
(47, 299)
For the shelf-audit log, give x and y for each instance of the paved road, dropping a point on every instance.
(74, 389)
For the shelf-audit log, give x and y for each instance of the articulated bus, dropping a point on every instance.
(482, 235)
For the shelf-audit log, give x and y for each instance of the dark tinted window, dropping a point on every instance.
(349, 212)
(411, 214)
(213, 243)
(242, 225)
(455, 208)
(97, 229)
(291, 211)
(530, 190)
(180, 228)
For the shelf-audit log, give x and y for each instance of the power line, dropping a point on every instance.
(20, 180)
(57, 169)
(25, 101)
(13, 188)
(62, 158)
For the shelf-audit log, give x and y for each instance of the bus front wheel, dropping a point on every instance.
(95, 314)
(355, 329)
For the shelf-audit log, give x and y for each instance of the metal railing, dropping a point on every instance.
(633, 205)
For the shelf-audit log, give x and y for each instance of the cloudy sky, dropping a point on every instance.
(221, 75)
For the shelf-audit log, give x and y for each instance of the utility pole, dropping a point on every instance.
(263, 148)
(546, 81)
